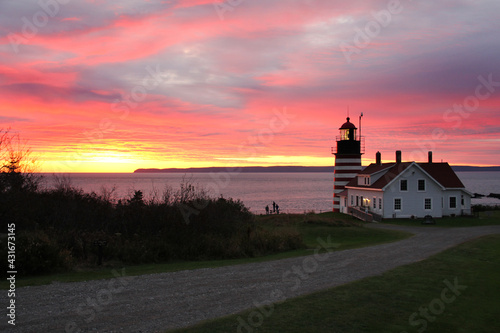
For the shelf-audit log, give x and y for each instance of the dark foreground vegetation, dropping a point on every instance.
(314, 229)
(64, 228)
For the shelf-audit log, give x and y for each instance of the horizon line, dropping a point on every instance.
(242, 167)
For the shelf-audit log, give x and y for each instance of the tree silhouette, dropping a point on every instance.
(16, 164)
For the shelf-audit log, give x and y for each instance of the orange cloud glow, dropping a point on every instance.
(101, 87)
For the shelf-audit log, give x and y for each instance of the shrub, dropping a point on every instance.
(60, 227)
(37, 253)
(483, 208)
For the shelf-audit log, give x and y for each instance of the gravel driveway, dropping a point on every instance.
(157, 302)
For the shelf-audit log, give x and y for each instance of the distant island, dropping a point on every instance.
(456, 168)
(241, 169)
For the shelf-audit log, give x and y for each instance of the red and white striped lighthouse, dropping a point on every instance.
(347, 159)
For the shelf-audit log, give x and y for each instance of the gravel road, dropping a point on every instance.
(158, 302)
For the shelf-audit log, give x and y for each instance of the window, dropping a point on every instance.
(345, 202)
(421, 184)
(357, 201)
(374, 203)
(379, 203)
(403, 185)
(462, 202)
(453, 202)
(428, 204)
(397, 204)
(352, 199)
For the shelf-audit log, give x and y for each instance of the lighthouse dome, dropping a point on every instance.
(347, 125)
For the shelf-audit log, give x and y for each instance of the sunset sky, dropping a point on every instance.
(111, 86)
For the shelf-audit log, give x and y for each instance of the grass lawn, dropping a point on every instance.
(454, 291)
(342, 229)
(484, 218)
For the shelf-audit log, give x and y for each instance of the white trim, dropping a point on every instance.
(373, 174)
(425, 173)
(408, 168)
(459, 189)
(347, 167)
(379, 171)
(394, 205)
(348, 160)
(400, 190)
(340, 182)
(338, 190)
(449, 202)
(427, 209)
(425, 185)
(364, 188)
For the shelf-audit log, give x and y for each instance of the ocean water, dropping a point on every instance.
(293, 192)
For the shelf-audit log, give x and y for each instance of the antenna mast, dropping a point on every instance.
(360, 125)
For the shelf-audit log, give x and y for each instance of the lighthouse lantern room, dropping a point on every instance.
(348, 151)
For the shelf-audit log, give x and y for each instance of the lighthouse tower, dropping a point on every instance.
(348, 153)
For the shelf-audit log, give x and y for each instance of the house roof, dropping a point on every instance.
(442, 173)
(343, 193)
(391, 171)
(374, 168)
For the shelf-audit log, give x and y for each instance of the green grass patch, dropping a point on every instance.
(341, 229)
(411, 298)
(483, 218)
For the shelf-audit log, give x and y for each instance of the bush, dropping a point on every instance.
(273, 241)
(60, 228)
(37, 253)
(484, 208)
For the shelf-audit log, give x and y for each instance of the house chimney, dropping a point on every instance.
(378, 158)
(430, 156)
(398, 156)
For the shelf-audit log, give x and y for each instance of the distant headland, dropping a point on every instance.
(248, 169)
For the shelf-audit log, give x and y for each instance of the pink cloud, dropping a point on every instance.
(222, 79)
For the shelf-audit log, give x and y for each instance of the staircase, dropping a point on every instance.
(364, 216)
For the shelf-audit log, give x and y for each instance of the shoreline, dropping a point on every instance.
(257, 169)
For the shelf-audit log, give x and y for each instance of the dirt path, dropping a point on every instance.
(157, 302)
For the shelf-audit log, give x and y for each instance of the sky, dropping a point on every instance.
(112, 86)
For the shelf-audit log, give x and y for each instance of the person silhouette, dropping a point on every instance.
(274, 206)
(267, 210)
(277, 209)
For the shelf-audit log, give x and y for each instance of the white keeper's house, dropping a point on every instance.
(398, 189)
